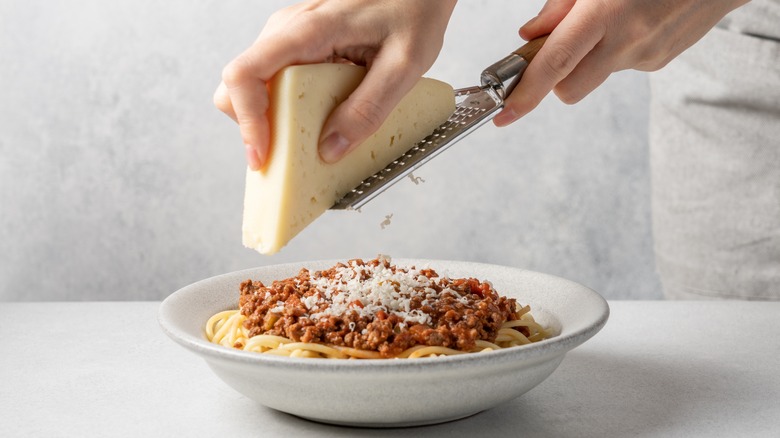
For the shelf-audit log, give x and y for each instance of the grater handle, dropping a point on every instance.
(504, 75)
(531, 48)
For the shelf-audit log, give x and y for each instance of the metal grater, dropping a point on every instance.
(473, 107)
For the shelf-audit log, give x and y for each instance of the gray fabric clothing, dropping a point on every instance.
(759, 18)
(715, 161)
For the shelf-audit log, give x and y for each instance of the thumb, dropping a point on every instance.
(355, 119)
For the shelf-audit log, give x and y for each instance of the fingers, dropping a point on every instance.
(408, 49)
(591, 39)
(570, 42)
(387, 81)
(249, 101)
(397, 40)
(589, 73)
(548, 18)
(243, 94)
(222, 101)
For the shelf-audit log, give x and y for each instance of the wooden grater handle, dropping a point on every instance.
(531, 48)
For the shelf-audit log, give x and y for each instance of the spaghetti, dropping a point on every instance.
(373, 310)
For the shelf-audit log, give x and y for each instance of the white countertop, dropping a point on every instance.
(657, 369)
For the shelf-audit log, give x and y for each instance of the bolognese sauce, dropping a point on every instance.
(376, 306)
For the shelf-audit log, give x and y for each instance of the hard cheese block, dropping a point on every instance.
(296, 186)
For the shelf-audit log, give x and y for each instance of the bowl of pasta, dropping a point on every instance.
(381, 342)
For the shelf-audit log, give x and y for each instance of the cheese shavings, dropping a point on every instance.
(371, 289)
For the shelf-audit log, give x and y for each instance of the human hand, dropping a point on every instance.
(590, 39)
(397, 40)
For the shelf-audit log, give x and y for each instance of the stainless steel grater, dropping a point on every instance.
(473, 107)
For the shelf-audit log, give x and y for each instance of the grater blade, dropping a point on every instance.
(473, 107)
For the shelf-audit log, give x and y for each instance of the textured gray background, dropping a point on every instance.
(120, 181)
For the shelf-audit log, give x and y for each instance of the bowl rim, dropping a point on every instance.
(557, 345)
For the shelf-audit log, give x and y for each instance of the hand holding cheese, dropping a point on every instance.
(396, 40)
(296, 185)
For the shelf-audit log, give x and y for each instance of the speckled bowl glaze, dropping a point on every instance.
(396, 392)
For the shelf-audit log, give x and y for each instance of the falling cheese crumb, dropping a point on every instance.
(386, 222)
(416, 179)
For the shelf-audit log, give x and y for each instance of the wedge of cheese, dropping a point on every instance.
(296, 186)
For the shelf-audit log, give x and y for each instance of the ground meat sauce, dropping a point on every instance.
(377, 306)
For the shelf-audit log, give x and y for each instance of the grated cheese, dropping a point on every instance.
(415, 179)
(383, 287)
(386, 222)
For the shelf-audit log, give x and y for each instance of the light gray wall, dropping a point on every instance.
(120, 181)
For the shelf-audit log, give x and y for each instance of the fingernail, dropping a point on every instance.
(333, 147)
(251, 157)
(505, 117)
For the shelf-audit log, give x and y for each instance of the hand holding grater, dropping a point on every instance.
(473, 107)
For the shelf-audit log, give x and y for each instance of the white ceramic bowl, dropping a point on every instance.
(395, 392)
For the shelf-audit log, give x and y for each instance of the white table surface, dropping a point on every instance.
(657, 369)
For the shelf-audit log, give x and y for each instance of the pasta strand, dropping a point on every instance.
(227, 328)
